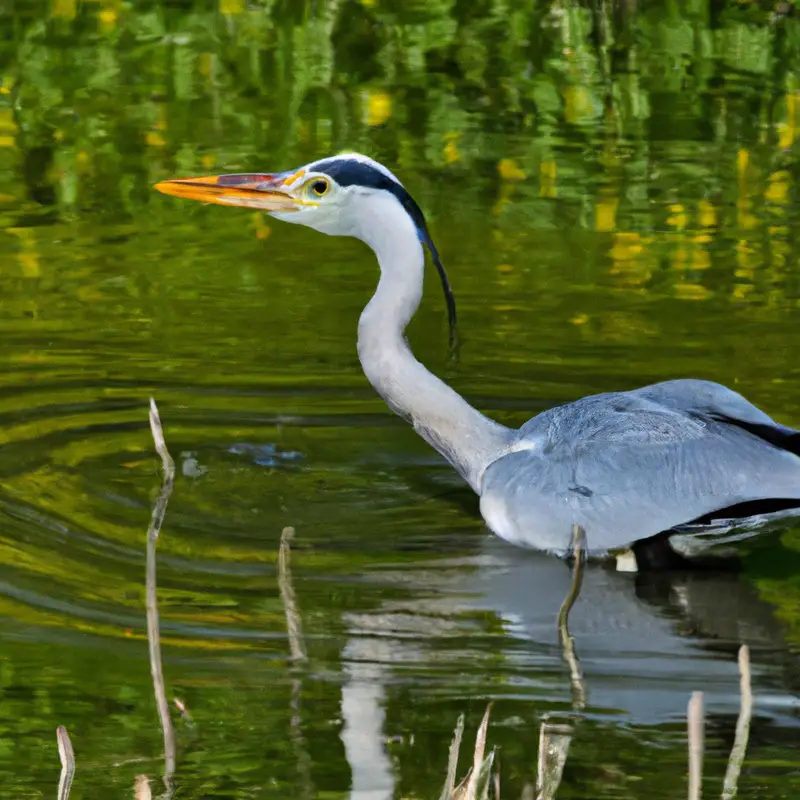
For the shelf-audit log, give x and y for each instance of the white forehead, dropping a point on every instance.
(361, 159)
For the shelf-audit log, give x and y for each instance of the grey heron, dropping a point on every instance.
(629, 467)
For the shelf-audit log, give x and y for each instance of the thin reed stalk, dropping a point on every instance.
(731, 784)
(153, 626)
(695, 725)
(567, 642)
(293, 625)
(67, 756)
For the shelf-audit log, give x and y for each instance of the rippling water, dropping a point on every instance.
(614, 194)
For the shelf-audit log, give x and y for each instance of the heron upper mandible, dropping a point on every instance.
(629, 467)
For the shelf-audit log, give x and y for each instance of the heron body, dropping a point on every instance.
(626, 466)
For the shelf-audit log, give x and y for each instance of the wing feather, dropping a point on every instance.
(630, 465)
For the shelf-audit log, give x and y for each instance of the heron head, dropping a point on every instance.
(339, 196)
(325, 195)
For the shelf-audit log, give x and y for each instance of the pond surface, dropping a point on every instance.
(614, 192)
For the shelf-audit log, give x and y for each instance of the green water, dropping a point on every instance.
(614, 191)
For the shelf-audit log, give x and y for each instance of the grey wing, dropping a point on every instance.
(710, 400)
(671, 405)
(625, 484)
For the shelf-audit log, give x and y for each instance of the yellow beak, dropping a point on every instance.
(250, 190)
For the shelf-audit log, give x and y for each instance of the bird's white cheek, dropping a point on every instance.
(286, 216)
(329, 221)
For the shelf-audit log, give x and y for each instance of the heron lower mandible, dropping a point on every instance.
(626, 466)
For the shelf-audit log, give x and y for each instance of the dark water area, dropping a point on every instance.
(613, 188)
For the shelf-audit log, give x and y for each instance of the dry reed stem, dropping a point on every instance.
(67, 756)
(293, 626)
(65, 751)
(153, 628)
(477, 761)
(695, 726)
(567, 642)
(141, 788)
(731, 783)
(554, 742)
(479, 774)
(158, 438)
(452, 760)
(554, 739)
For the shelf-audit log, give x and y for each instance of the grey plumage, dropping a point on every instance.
(630, 465)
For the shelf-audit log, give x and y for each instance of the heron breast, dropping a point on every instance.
(494, 510)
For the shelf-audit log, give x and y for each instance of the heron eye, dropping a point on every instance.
(319, 187)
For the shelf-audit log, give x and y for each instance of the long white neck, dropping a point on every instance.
(465, 437)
